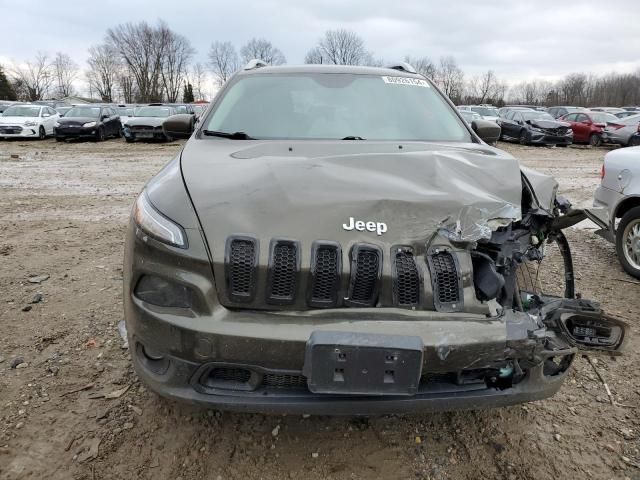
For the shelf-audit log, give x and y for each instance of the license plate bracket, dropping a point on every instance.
(363, 364)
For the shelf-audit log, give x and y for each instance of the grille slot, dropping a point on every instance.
(284, 265)
(366, 267)
(326, 267)
(446, 281)
(277, 380)
(240, 268)
(406, 281)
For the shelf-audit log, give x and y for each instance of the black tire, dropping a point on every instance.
(522, 139)
(634, 141)
(42, 134)
(129, 139)
(628, 242)
(100, 135)
(563, 145)
(595, 140)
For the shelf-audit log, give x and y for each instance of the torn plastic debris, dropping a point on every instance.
(474, 223)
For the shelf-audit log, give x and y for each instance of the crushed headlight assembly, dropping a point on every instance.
(156, 225)
(89, 124)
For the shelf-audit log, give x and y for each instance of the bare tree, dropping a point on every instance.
(65, 71)
(262, 50)
(127, 84)
(104, 68)
(450, 78)
(34, 78)
(177, 52)
(340, 47)
(141, 48)
(198, 77)
(223, 60)
(423, 65)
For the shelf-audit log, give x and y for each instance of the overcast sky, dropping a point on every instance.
(517, 39)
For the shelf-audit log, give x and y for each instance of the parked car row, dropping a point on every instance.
(91, 121)
(561, 125)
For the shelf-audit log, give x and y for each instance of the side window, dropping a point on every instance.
(571, 118)
(580, 117)
(517, 117)
(509, 115)
(552, 111)
(52, 111)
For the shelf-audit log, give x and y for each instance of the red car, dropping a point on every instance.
(588, 127)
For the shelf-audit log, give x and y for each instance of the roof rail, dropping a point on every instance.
(255, 63)
(402, 66)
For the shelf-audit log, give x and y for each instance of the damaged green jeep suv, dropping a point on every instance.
(337, 240)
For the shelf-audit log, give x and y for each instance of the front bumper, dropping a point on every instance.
(545, 139)
(75, 132)
(143, 133)
(174, 349)
(18, 131)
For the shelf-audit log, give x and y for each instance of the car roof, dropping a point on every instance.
(348, 69)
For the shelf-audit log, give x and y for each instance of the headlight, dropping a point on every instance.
(57, 124)
(29, 123)
(156, 225)
(89, 124)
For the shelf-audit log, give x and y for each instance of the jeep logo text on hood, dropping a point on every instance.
(361, 226)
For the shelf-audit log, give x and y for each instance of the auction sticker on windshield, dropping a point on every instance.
(417, 82)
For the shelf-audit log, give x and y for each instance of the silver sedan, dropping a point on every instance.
(622, 132)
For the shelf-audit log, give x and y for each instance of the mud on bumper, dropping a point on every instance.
(251, 374)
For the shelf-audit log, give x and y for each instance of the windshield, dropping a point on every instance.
(125, 111)
(22, 111)
(631, 120)
(88, 112)
(486, 111)
(604, 118)
(181, 109)
(335, 106)
(154, 112)
(533, 115)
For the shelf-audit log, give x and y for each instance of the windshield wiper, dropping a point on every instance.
(232, 136)
(352, 137)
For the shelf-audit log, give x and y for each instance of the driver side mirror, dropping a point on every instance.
(104, 117)
(178, 126)
(489, 132)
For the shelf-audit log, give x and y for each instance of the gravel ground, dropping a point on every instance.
(73, 409)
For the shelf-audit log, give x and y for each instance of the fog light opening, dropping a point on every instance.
(152, 360)
(554, 366)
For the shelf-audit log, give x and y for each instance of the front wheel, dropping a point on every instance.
(595, 140)
(42, 134)
(100, 135)
(628, 242)
(523, 138)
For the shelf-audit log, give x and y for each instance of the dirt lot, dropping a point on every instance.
(63, 209)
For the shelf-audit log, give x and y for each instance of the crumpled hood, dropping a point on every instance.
(310, 190)
(150, 121)
(548, 123)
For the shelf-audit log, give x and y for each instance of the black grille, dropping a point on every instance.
(240, 267)
(446, 284)
(283, 272)
(406, 282)
(366, 263)
(275, 380)
(240, 375)
(325, 275)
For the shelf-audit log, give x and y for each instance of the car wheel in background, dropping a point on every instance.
(595, 140)
(129, 139)
(42, 134)
(523, 138)
(634, 141)
(628, 242)
(100, 134)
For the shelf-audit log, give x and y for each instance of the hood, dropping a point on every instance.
(318, 190)
(17, 120)
(151, 121)
(548, 123)
(76, 120)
